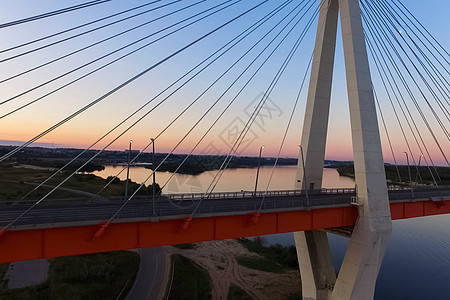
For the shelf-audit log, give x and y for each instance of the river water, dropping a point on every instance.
(417, 261)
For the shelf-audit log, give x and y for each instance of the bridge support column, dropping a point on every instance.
(370, 237)
(316, 267)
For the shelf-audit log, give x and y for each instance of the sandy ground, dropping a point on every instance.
(219, 259)
(27, 273)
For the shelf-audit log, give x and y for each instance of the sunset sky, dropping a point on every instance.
(86, 128)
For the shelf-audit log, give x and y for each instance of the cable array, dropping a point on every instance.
(106, 55)
(255, 113)
(77, 27)
(101, 98)
(388, 36)
(412, 66)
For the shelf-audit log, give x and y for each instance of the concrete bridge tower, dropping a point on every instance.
(370, 236)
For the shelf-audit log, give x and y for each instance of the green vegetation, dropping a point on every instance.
(197, 164)
(118, 186)
(189, 280)
(92, 276)
(285, 256)
(15, 182)
(236, 293)
(3, 269)
(40, 292)
(186, 246)
(260, 263)
(15, 190)
(392, 175)
(57, 163)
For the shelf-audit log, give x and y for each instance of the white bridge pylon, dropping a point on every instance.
(370, 236)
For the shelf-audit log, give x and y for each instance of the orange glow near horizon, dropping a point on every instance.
(335, 151)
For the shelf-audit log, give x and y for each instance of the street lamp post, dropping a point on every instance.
(128, 170)
(304, 175)
(409, 172)
(257, 170)
(154, 174)
(418, 169)
(431, 172)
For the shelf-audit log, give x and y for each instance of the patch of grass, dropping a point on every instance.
(16, 182)
(294, 297)
(260, 263)
(11, 191)
(190, 281)
(236, 293)
(3, 269)
(186, 246)
(40, 292)
(286, 256)
(91, 276)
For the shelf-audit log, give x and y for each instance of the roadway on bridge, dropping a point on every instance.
(181, 205)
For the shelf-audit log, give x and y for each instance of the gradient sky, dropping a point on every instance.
(86, 128)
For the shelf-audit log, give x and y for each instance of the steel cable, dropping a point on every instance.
(77, 27)
(85, 32)
(97, 59)
(399, 74)
(53, 13)
(392, 82)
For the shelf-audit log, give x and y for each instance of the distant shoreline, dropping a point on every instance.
(191, 165)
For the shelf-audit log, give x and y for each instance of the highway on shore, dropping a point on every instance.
(148, 284)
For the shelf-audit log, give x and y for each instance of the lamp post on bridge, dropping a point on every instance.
(431, 172)
(409, 172)
(418, 169)
(154, 178)
(128, 170)
(257, 170)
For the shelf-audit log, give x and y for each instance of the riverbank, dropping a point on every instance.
(17, 180)
(182, 163)
(399, 175)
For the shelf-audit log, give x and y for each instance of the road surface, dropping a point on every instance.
(150, 277)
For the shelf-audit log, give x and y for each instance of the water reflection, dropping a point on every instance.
(232, 180)
(417, 261)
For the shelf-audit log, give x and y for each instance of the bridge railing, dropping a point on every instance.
(244, 201)
(259, 194)
(395, 193)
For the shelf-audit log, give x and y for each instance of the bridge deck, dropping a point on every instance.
(58, 213)
(67, 229)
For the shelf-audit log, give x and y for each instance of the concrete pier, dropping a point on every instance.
(370, 237)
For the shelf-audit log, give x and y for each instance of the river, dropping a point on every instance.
(417, 261)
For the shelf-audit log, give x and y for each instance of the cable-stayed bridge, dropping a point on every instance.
(203, 58)
(70, 226)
